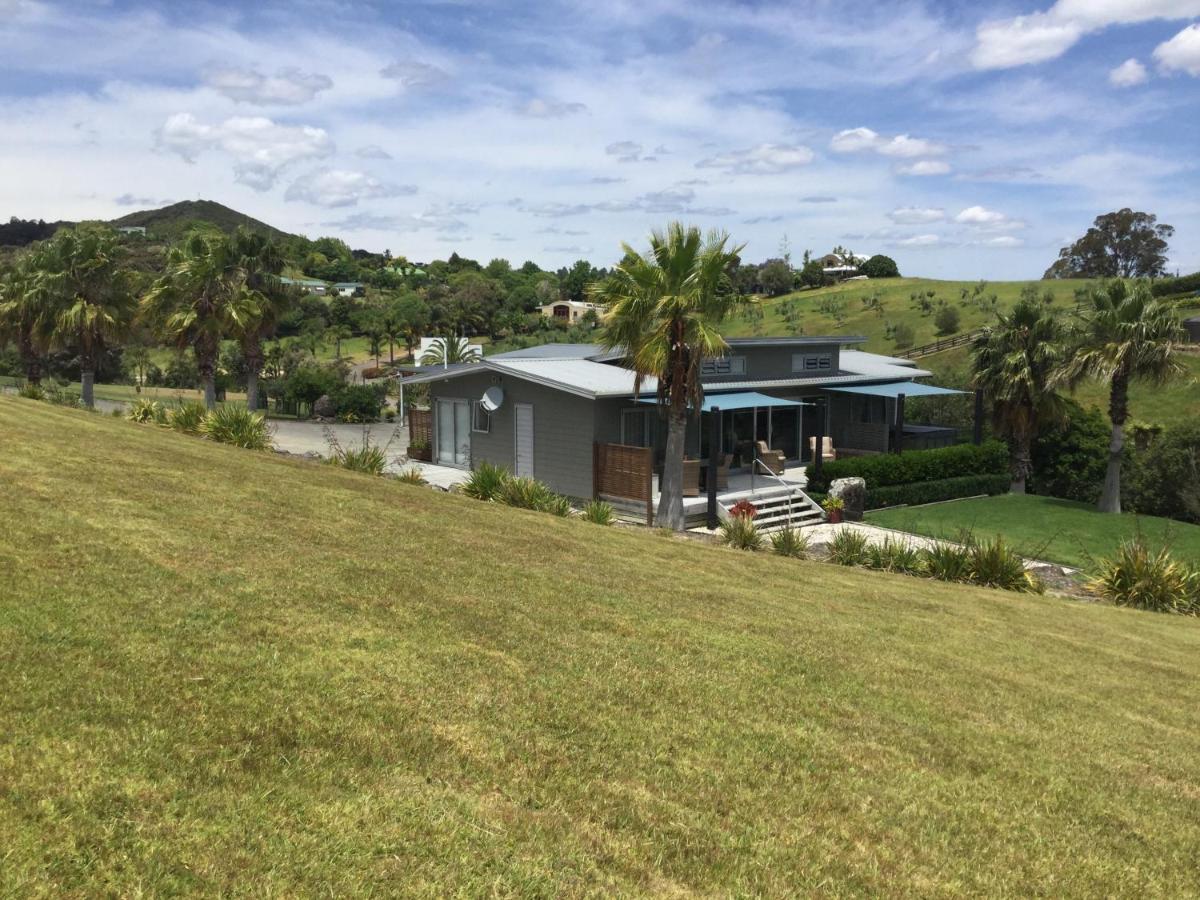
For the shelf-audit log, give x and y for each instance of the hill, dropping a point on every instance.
(169, 222)
(224, 669)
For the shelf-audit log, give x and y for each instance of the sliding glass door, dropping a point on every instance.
(453, 433)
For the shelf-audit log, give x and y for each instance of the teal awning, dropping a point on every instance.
(895, 389)
(739, 400)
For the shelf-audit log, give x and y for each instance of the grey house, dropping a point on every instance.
(550, 411)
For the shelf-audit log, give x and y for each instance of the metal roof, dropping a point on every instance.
(552, 351)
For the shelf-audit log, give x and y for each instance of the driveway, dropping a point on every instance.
(312, 437)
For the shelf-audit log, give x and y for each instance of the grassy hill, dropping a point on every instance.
(840, 308)
(225, 670)
(168, 222)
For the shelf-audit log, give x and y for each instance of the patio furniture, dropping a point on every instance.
(722, 472)
(691, 478)
(772, 459)
(828, 454)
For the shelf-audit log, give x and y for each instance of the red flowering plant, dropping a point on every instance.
(743, 509)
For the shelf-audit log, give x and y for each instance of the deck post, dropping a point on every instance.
(648, 467)
(818, 439)
(898, 439)
(977, 436)
(714, 455)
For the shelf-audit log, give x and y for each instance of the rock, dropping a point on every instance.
(324, 408)
(853, 493)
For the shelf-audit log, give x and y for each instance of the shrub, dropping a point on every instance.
(147, 412)
(558, 505)
(1185, 284)
(848, 548)
(368, 459)
(936, 491)
(357, 402)
(62, 397)
(880, 266)
(598, 512)
(1144, 580)
(881, 470)
(525, 493)
(903, 335)
(1069, 461)
(308, 383)
(411, 475)
(236, 425)
(894, 556)
(743, 509)
(32, 392)
(947, 562)
(1164, 479)
(741, 533)
(790, 542)
(946, 320)
(995, 564)
(187, 417)
(486, 482)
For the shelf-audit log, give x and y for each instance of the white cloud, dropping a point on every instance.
(924, 167)
(919, 240)
(338, 187)
(538, 108)
(765, 159)
(287, 87)
(624, 151)
(372, 151)
(260, 147)
(916, 215)
(856, 140)
(1042, 36)
(1127, 74)
(1181, 53)
(414, 73)
(907, 147)
(852, 140)
(1002, 241)
(985, 219)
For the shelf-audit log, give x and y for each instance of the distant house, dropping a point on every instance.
(569, 311)
(139, 230)
(840, 267)
(349, 288)
(1192, 326)
(307, 285)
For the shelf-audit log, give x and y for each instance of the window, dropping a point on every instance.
(635, 428)
(812, 363)
(481, 420)
(723, 365)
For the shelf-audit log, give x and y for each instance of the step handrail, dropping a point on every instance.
(791, 487)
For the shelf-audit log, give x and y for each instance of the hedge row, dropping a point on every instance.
(1186, 284)
(886, 469)
(936, 491)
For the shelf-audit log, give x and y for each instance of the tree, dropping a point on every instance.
(776, 277)
(1124, 335)
(261, 261)
(813, 274)
(337, 334)
(1122, 244)
(946, 319)
(200, 300)
(880, 266)
(1016, 362)
(412, 314)
(391, 329)
(25, 316)
(90, 289)
(665, 309)
(445, 351)
(137, 363)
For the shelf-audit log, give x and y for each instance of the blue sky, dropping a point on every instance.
(966, 140)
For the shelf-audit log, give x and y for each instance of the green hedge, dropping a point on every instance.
(935, 491)
(1186, 284)
(887, 469)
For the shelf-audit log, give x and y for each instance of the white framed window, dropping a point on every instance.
(812, 363)
(481, 419)
(723, 365)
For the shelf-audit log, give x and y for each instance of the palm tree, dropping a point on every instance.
(337, 334)
(200, 300)
(1123, 335)
(445, 351)
(665, 309)
(25, 316)
(1016, 362)
(261, 263)
(87, 283)
(392, 331)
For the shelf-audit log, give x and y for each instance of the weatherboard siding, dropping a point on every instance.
(764, 363)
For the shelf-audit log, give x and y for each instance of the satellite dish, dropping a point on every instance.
(493, 398)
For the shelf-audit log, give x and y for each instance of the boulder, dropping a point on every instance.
(324, 408)
(853, 493)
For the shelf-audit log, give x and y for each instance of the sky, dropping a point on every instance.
(966, 140)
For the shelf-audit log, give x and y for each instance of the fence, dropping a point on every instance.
(624, 472)
(420, 434)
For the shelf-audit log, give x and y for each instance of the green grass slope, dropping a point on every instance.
(227, 673)
(1074, 534)
(894, 297)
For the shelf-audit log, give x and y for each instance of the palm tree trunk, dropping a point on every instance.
(253, 356)
(1020, 464)
(33, 362)
(391, 353)
(206, 363)
(251, 390)
(670, 502)
(1118, 412)
(87, 382)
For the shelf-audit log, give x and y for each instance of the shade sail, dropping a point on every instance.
(895, 389)
(739, 400)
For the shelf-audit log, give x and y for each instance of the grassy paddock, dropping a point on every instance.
(1061, 531)
(226, 673)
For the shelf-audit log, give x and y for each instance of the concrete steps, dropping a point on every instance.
(778, 508)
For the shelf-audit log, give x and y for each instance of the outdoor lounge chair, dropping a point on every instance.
(772, 459)
(722, 471)
(828, 454)
(691, 478)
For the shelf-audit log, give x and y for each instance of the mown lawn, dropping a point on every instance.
(126, 393)
(226, 673)
(1061, 531)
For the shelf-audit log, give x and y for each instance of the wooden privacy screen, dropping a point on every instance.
(625, 472)
(420, 427)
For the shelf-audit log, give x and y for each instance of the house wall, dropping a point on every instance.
(1192, 326)
(774, 362)
(563, 429)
